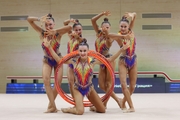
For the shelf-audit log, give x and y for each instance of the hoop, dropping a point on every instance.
(96, 55)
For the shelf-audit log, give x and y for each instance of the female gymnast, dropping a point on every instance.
(48, 62)
(75, 36)
(127, 60)
(102, 45)
(83, 72)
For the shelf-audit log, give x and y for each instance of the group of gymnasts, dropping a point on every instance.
(80, 68)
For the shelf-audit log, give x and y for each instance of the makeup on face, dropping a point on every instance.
(83, 51)
(49, 24)
(78, 29)
(106, 25)
(124, 27)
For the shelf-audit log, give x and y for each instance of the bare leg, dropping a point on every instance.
(101, 81)
(59, 78)
(46, 78)
(105, 83)
(79, 107)
(96, 101)
(122, 76)
(133, 79)
(108, 84)
(70, 75)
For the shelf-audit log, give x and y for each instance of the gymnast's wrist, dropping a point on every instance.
(103, 13)
(56, 32)
(122, 49)
(49, 47)
(38, 19)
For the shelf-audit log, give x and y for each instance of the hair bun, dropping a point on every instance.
(83, 43)
(76, 23)
(106, 19)
(84, 40)
(49, 15)
(77, 20)
(124, 18)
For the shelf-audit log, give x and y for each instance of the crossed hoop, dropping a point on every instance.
(99, 57)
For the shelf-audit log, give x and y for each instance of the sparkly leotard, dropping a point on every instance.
(130, 57)
(101, 47)
(72, 45)
(83, 75)
(48, 57)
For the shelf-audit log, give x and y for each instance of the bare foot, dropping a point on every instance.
(129, 110)
(74, 106)
(105, 104)
(65, 110)
(51, 110)
(121, 104)
(92, 108)
(49, 106)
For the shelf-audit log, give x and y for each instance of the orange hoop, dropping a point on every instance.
(99, 57)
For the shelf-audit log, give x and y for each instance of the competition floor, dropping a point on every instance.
(32, 106)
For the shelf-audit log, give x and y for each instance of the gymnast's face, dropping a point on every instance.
(124, 27)
(83, 51)
(49, 24)
(106, 26)
(78, 30)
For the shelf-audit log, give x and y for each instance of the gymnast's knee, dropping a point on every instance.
(46, 81)
(102, 87)
(124, 87)
(107, 86)
(132, 88)
(103, 110)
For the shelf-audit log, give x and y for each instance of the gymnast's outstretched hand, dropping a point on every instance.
(129, 15)
(72, 21)
(43, 19)
(106, 13)
(75, 35)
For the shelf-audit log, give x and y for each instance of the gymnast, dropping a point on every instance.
(102, 45)
(83, 72)
(75, 37)
(127, 60)
(48, 62)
